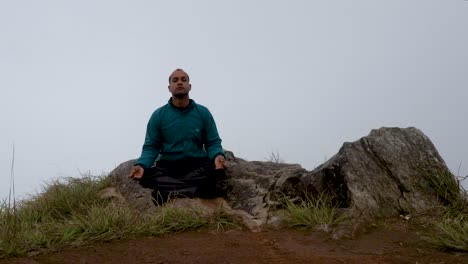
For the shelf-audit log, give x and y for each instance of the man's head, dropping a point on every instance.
(179, 83)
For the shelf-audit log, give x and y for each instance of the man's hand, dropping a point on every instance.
(137, 173)
(220, 162)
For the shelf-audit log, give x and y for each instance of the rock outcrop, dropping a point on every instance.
(385, 174)
(140, 198)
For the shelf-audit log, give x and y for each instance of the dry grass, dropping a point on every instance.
(451, 230)
(317, 213)
(70, 213)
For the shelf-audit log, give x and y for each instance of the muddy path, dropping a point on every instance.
(383, 245)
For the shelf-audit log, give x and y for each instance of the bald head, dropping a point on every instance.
(178, 70)
(179, 85)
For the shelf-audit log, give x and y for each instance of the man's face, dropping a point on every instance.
(179, 84)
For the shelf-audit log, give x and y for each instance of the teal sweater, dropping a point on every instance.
(175, 134)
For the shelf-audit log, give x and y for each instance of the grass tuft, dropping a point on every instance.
(317, 213)
(451, 230)
(100, 223)
(450, 233)
(62, 197)
(450, 192)
(221, 220)
(172, 220)
(70, 213)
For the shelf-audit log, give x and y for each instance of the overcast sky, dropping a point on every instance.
(80, 79)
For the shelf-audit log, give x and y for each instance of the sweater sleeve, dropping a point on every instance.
(152, 146)
(212, 140)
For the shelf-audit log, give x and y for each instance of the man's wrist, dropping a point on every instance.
(219, 154)
(139, 165)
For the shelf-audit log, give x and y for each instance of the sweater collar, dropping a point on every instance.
(183, 109)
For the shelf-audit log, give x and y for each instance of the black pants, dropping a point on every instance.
(184, 178)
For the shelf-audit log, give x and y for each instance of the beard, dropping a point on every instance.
(180, 95)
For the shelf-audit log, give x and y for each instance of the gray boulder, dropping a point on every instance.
(256, 187)
(388, 173)
(137, 196)
(384, 174)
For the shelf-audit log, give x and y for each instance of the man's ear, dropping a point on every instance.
(190, 87)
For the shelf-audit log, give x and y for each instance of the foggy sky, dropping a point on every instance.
(80, 79)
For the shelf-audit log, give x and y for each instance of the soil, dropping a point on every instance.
(390, 243)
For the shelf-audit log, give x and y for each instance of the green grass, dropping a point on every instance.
(70, 213)
(450, 231)
(316, 213)
(173, 220)
(450, 192)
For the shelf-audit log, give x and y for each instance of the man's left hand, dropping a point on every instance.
(220, 162)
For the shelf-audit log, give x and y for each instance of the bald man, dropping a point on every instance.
(182, 153)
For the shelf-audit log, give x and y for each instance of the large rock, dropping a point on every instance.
(256, 187)
(384, 174)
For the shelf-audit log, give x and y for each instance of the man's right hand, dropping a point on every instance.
(137, 173)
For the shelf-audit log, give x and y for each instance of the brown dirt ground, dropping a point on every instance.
(389, 243)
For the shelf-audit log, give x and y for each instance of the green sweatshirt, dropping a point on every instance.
(174, 134)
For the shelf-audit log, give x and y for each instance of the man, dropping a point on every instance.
(182, 138)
